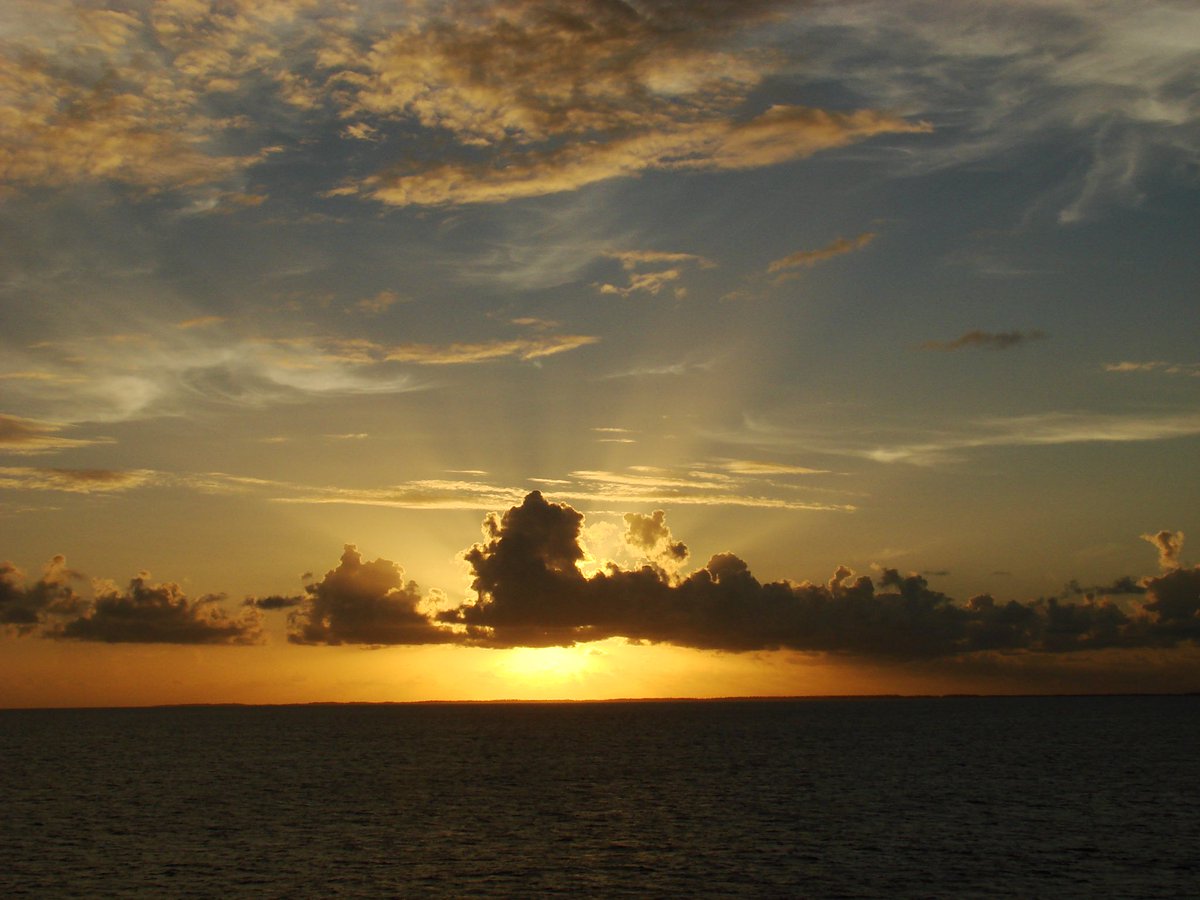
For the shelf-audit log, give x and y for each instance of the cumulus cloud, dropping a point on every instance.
(651, 537)
(1002, 340)
(531, 592)
(146, 613)
(23, 606)
(1169, 545)
(363, 603)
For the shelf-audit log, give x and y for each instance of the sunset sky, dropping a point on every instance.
(565, 349)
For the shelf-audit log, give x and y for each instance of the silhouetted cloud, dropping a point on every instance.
(1002, 340)
(531, 593)
(651, 537)
(273, 602)
(148, 613)
(23, 607)
(363, 603)
(1174, 600)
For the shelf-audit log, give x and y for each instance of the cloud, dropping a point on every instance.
(758, 467)
(1168, 368)
(525, 349)
(121, 377)
(932, 446)
(29, 436)
(779, 135)
(74, 481)
(803, 259)
(364, 603)
(1106, 81)
(22, 608)
(993, 340)
(115, 378)
(1169, 545)
(651, 537)
(693, 487)
(273, 602)
(378, 304)
(1174, 600)
(531, 592)
(107, 95)
(668, 268)
(158, 614)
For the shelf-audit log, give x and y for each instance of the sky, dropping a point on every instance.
(552, 349)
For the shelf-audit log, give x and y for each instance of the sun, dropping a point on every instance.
(546, 666)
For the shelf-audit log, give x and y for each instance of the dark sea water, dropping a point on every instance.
(956, 797)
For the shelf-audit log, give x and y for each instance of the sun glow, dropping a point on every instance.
(546, 666)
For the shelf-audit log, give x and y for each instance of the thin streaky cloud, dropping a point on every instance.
(991, 340)
(803, 259)
(30, 436)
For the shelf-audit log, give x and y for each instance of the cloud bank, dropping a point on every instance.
(529, 591)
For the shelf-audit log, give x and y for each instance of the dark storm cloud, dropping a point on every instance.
(158, 614)
(22, 607)
(1002, 340)
(530, 593)
(363, 603)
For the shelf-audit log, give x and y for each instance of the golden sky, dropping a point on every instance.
(584, 349)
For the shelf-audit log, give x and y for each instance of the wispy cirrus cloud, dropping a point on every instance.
(127, 376)
(1007, 78)
(525, 349)
(951, 442)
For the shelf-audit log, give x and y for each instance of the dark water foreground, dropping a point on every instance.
(1018, 797)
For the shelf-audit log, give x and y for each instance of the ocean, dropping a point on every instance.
(948, 797)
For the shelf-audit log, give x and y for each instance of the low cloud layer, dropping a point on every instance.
(529, 591)
(363, 602)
